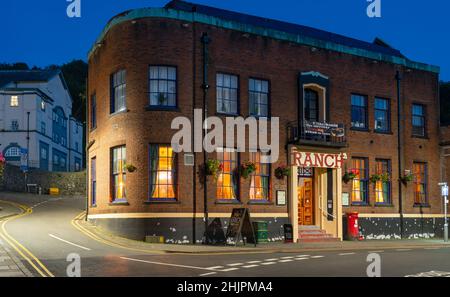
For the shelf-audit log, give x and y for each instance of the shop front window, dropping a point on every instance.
(420, 184)
(360, 182)
(119, 173)
(382, 187)
(227, 181)
(162, 172)
(260, 179)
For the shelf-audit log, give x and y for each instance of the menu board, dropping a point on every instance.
(240, 227)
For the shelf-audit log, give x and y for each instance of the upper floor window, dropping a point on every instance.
(359, 111)
(93, 111)
(259, 97)
(420, 183)
(43, 128)
(162, 172)
(418, 120)
(163, 86)
(360, 184)
(118, 172)
(13, 151)
(311, 105)
(14, 101)
(227, 184)
(260, 179)
(14, 125)
(118, 91)
(227, 93)
(42, 105)
(382, 116)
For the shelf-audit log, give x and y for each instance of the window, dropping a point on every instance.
(418, 120)
(227, 184)
(93, 111)
(14, 101)
(360, 182)
(59, 160)
(42, 105)
(43, 128)
(118, 91)
(163, 86)
(13, 151)
(119, 173)
(383, 188)
(76, 147)
(311, 105)
(259, 97)
(94, 181)
(14, 125)
(420, 183)
(359, 111)
(227, 93)
(382, 115)
(162, 172)
(260, 179)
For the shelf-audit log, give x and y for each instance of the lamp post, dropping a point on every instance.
(444, 193)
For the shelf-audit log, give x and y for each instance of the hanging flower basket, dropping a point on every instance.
(383, 177)
(213, 168)
(130, 168)
(349, 175)
(246, 169)
(281, 172)
(407, 178)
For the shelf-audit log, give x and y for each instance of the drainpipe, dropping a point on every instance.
(205, 86)
(194, 174)
(398, 78)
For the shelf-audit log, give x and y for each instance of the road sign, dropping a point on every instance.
(444, 190)
(24, 159)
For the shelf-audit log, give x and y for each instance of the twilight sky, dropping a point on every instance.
(40, 33)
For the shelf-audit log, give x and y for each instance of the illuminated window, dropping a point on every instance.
(14, 101)
(163, 86)
(420, 183)
(227, 93)
(259, 97)
(119, 173)
(382, 188)
(360, 182)
(260, 179)
(382, 117)
(118, 91)
(162, 172)
(359, 111)
(226, 182)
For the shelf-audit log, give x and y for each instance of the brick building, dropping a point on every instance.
(337, 102)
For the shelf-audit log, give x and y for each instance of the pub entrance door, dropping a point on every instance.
(305, 196)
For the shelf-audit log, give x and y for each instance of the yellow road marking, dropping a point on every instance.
(18, 247)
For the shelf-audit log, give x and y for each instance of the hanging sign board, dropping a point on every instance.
(240, 227)
(323, 129)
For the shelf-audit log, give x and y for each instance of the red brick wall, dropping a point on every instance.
(159, 41)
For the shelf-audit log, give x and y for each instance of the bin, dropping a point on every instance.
(261, 231)
(352, 226)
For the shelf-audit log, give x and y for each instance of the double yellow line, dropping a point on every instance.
(19, 248)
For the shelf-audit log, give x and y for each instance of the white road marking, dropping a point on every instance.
(272, 259)
(370, 252)
(290, 257)
(431, 248)
(316, 257)
(230, 269)
(302, 256)
(250, 266)
(208, 273)
(170, 264)
(403, 250)
(285, 260)
(235, 264)
(253, 262)
(68, 242)
(216, 267)
(268, 263)
(346, 254)
(298, 259)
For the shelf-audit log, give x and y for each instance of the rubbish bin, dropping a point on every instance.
(261, 231)
(352, 226)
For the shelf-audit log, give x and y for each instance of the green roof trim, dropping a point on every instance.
(246, 28)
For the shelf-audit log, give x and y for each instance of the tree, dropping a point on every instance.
(14, 66)
(445, 103)
(75, 74)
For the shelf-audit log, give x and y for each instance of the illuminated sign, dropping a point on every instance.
(313, 159)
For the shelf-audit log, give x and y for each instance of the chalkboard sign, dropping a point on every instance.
(240, 227)
(288, 233)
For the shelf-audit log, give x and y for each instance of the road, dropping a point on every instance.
(43, 238)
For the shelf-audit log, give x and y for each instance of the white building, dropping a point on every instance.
(36, 113)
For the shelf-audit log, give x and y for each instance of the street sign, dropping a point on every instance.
(24, 159)
(444, 190)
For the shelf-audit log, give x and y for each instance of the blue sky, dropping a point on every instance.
(40, 33)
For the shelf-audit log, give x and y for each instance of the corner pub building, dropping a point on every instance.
(358, 128)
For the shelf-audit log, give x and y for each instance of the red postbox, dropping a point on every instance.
(352, 226)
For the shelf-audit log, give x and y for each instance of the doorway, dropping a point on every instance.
(305, 196)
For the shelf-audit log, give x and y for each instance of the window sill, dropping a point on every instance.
(383, 205)
(92, 129)
(225, 201)
(422, 205)
(93, 206)
(119, 203)
(163, 201)
(162, 108)
(360, 129)
(259, 117)
(359, 204)
(420, 136)
(118, 112)
(223, 114)
(383, 132)
(262, 202)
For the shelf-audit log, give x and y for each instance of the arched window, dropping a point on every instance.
(12, 152)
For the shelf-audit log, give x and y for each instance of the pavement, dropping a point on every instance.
(48, 237)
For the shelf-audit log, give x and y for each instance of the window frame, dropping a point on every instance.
(16, 102)
(93, 191)
(115, 200)
(93, 111)
(268, 97)
(388, 115)
(365, 180)
(113, 98)
(366, 112)
(423, 116)
(425, 184)
(233, 174)
(268, 176)
(175, 178)
(159, 106)
(238, 90)
(15, 125)
(389, 183)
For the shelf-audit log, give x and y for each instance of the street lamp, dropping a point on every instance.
(444, 194)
